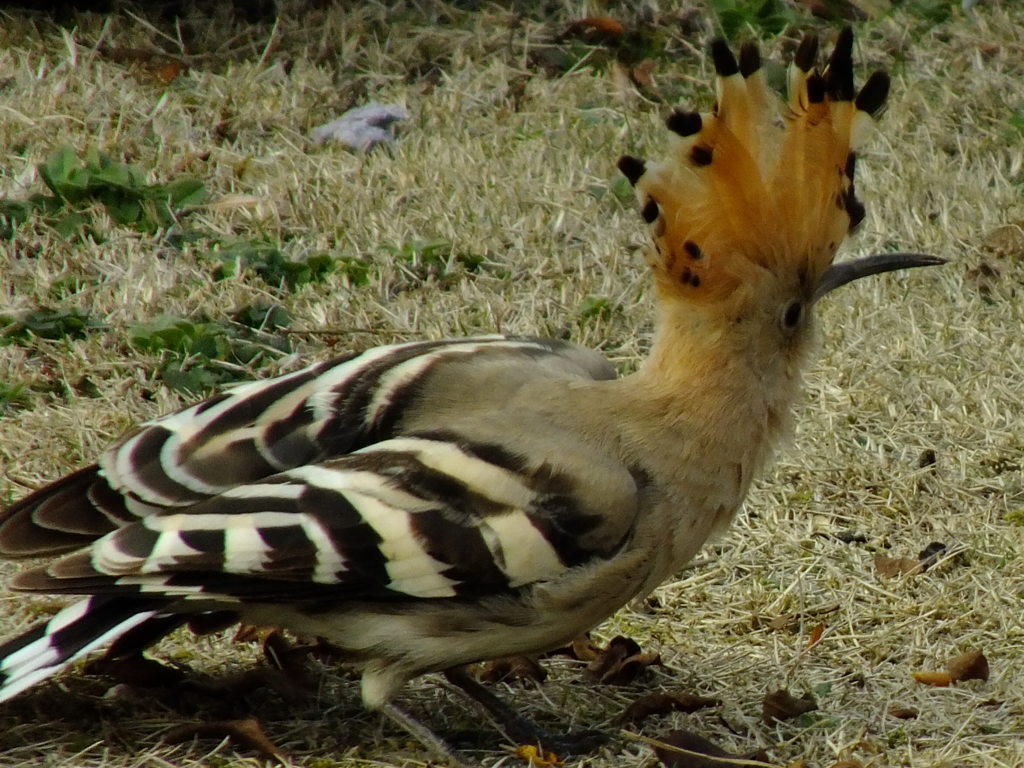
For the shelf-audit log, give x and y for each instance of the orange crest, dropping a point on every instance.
(742, 190)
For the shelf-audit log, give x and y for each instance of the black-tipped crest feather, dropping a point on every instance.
(807, 52)
(873, 94)
(750, 191)
(816, 89)
(684, 123)
(839, 71)
(750, 59)
(723, 58)
(632, 168)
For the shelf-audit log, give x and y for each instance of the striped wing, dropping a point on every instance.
(226, 445)
(410, 517)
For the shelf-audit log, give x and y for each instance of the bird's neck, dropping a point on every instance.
(700, 422)
(705, 388)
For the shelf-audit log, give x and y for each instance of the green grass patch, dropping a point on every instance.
(761, 18)
(13, 395)
(435, 259)
(200, 355)
(597, 308)
(45, 323)
(269, 263)
(76, 183)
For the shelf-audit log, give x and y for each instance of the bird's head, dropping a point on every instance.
(749, 207)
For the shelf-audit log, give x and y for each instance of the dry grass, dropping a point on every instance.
(497, 159)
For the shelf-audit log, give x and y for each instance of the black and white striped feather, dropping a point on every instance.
(72, 633)
(314, 487)
(254, 430)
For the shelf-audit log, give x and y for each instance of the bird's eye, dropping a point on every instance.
(792, 314)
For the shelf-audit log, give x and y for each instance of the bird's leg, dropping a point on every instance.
(441, 749)
(516, 727)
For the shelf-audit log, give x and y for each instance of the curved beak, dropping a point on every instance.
(844, 272)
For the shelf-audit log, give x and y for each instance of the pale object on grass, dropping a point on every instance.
(362, 128)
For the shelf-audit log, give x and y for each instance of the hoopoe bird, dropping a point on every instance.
(428, 505)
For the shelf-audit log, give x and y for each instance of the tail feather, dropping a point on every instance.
(72, 633)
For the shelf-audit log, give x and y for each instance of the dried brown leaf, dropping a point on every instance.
(815, 636)
(971, 665)
(596, 29)
(782, 705)
(168, 72)
(621, 662)
(156, 64)
(686, 749)
(609, 658)
(937, 679)
(246, 732)
(510, 668)
(904, 713)
(631, 668)
(847, 764)
(581, 649)
(661, 703)
(891, 567)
